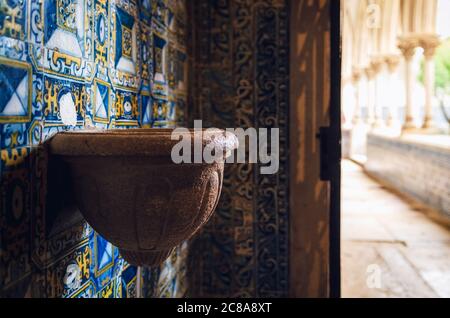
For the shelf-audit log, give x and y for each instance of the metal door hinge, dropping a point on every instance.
(330, 153)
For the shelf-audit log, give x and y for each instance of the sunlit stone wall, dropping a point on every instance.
(418, 169)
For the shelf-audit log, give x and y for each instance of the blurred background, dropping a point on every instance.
(396, 145)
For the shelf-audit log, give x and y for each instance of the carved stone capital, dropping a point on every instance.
(376, 65)
(356, 75)
(370, 74)
(429, 43)
(407, 46)
(392, 62)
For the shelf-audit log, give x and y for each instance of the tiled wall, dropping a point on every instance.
(241, 69)
(72, 64)
(419, 170)
(122, 63)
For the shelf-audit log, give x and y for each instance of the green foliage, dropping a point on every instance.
(442, 64)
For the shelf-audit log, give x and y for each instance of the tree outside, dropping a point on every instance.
(442, 79)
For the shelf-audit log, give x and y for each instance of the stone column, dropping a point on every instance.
(392, 62)
(370, 76)
(408, 48)
(429, 45)
(356, 77)
(376, 68)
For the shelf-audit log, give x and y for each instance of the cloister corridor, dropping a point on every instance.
(385, 235)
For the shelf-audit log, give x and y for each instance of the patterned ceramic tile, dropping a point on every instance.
(145, 14)
(16, 80)
(101, 31)
(124, 48)
(68, 27)
(13, 20)
(64, 100)
(242, 80)
(146, 109)
(126, 108)
(101, 102)
(15, 216)
(70, 64)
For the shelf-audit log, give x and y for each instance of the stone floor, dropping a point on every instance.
(389, 248)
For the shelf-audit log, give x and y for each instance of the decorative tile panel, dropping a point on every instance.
(126, 108)
(72, 64)
(68, 27)
(15, 83)
(101, 101)
(101, 27)
(13, 19)
(242, 80)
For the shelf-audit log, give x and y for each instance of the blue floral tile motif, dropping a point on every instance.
(104, 253)
(124, 35)
(95, 270)
(15, 84)
(75, 271)
(159, 11)
(145, 12)
(101, 101)
(171, 113)
(160, 112)
(74, 64)
(13, 19)
(36, 26)
(15, 214)
(146, 56)
(128, 282)
(37, 100)
(68, 27)
(101, 27)
(126, 108)
(12, 162)
(159, 89)
(108, 290)
(13, 49)
(56, 92)
(13, 135)
(86, 291)
(62, 64)
(124, 52)
(146, 102)
(67, 36)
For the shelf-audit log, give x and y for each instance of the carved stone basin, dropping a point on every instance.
(130, 191)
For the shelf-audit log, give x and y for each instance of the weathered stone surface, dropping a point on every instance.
(130, 191)
(415, 167)
(386, 239)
